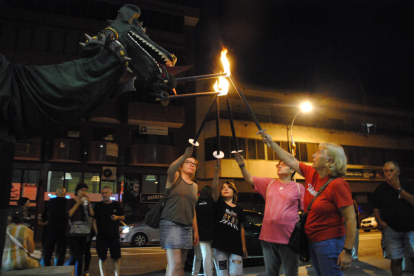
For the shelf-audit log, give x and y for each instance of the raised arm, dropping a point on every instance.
(173, 169)
(285, 156)
(216, 192)
(246, 174)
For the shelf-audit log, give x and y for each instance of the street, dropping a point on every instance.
(151, 260)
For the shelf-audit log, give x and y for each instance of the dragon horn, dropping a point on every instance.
(88, 37)
(129, 70)
(82, 44)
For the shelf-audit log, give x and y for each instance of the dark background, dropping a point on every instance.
(359, 50)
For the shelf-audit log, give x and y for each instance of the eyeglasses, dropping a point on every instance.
(281, 164)
(192, 163)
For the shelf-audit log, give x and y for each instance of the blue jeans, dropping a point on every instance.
(324, 256)
(275, 255)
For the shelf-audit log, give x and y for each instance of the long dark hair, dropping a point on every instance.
(17, 214)
(206, 193)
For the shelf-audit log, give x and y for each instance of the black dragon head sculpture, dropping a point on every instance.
(127, 39)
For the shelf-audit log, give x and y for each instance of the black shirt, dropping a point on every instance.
(229, 220)
(395, 211)
(206, 214)
(103, 212)
(57, 220)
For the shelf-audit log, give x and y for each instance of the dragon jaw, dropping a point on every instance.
(148, 46)
(146, 56)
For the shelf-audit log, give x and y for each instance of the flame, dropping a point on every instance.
(222, 85)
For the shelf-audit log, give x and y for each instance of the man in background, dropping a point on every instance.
(107, 215)
(393, 204)
(56, 229)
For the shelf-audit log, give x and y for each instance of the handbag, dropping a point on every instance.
(80, 228)
(298, 240)
(153, 216)
(36, 254)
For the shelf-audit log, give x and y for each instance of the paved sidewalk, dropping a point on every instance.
(373, 265)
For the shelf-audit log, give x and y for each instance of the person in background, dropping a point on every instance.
(15, 257)
(229, 241)
(178, 225)
(77, 209)
(356, 242)
(393, 204)
(283, 198)
(205, 210)
(108, 214)
(25, 203)
(330, 242)
(43, 221)
(56, 232)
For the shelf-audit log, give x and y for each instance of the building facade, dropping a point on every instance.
(370, 133)
(130, 141)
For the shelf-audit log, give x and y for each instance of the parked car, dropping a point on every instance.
(252, 226)
(369, 223)
(138, 234)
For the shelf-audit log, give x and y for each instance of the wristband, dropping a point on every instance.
(241, 166)
(349, 251)
(399, 190)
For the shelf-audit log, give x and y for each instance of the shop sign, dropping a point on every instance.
(151, 198)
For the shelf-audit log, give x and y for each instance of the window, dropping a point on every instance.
(72, 179)
(251, 148)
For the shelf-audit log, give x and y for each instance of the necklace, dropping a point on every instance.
(282, 187)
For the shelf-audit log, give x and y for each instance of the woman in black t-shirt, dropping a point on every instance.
(228, 242)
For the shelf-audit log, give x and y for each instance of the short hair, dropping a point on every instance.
(60, 191)
(80, 186)
(17, 214)
(22, 201)
(106, 187)
(233, 187)
(336, 152)
(206, 193)
(394, 163)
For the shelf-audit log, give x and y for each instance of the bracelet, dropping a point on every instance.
(241, 166)
(399, 190)
(349, 251)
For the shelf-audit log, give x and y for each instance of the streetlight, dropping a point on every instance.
(304, 107)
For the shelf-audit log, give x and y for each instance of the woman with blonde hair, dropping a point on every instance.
(178, 225)
(330, 242)
(229, 242)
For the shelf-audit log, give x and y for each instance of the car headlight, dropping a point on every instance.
(127, 229)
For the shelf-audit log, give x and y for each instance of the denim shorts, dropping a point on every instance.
(228, 264)
(175, 236)
(324, 256)
(399, 243)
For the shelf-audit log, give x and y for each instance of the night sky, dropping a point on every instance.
(346, 49)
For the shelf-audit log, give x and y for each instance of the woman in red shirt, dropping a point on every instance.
(330, 242)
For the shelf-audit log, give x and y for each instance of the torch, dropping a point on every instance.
(194, 141)
(246, 104)
(233, 132)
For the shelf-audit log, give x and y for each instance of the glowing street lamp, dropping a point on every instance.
(304, 107)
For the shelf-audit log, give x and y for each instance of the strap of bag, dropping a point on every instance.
(269, 186)
(319, 192)
(85, 219)
(175, 184)
(16, 241)
(297, 185)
